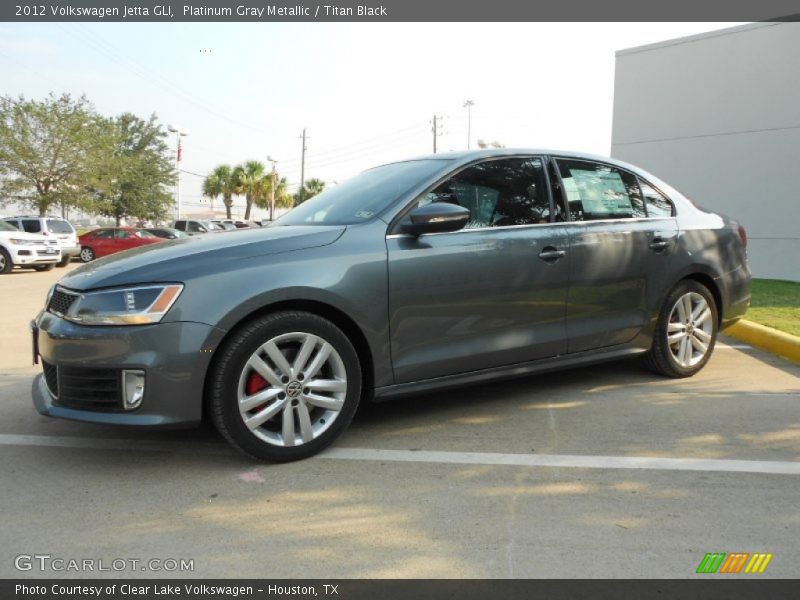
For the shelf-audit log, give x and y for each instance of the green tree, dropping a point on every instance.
(48, 149)
(263, 197)
(221, 182)
(249, 181)
(310, 188)
(132, 179)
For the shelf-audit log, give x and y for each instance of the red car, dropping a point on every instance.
(108, 240)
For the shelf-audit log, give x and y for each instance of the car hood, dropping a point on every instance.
(181, 259)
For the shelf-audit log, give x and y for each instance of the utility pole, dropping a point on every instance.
(272, 190)
(303, 162)
(468, 105)
(178, 135)
(436, 129)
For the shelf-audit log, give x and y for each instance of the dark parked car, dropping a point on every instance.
(168, 233)
(109, 240)
(195, 227)
(449, 270)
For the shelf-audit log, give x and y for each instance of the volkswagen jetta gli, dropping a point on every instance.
(448, 270)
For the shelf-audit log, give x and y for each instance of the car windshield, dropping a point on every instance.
(364, 196)
(59, 226)
(7, 227)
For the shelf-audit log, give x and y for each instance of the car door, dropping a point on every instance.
(491, 294)
(615, 253)
(101, 242)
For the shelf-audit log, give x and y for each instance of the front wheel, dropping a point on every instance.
(285, 386)
(6, 264)
(87, 254)
(686, 331)
(45, 267)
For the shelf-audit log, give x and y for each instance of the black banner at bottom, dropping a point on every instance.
(711, 588)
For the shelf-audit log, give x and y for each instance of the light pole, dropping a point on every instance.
(468, 105)
(178, 135)
(272, 189)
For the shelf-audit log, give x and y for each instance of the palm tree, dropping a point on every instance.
(310, 188)
(221, 182)
(263, 194)
(249, 182)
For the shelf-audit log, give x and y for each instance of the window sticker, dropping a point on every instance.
(600, 192)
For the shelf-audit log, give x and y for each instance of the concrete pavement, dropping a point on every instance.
(419, 487)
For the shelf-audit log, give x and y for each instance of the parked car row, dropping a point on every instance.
(41, 243)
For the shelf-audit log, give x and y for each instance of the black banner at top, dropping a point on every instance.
(260, 11)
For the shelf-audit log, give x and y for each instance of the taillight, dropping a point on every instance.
(743, 236)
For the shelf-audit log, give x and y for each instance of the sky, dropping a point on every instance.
(364, 92)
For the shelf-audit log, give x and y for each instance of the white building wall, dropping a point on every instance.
(718, 117)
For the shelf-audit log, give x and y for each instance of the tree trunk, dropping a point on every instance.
(228, 202)
(249, 199)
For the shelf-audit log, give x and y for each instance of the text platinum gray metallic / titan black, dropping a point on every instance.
(447, 270)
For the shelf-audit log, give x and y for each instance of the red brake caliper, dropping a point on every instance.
(256, 383)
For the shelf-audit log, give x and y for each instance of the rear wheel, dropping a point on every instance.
(64, 262)
(686, 331)
(45, 267)
(87, 254)
(285, 386)
(5, 262)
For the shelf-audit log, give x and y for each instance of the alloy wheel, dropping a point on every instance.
(690, 329)
(292, 389)
(87, 255)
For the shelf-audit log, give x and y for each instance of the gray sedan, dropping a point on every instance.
(448, 270)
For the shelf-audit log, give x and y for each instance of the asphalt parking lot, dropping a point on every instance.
(606, 471)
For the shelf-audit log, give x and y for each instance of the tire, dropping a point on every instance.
(87, 254)
(6, 265)
(319, 413)
(45, 267)
(677, 349)
(64, 262)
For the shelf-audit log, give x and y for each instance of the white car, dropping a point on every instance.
(22, 249)
(56, 227)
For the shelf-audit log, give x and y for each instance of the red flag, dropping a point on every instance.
(180, 152)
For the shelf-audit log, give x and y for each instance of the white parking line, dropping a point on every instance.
(432, 456)
(569, 461)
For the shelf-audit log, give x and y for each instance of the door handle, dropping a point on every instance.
(551, 254)
(659, 244)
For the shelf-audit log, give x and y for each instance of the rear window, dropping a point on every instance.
(59, 226)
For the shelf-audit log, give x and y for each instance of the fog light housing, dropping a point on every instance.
(132, 388)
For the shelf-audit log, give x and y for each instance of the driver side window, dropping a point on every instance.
(498, 193)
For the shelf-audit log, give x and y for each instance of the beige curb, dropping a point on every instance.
(767, 338)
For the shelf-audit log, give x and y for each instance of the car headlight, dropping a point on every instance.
(19, 242)
(139, 305)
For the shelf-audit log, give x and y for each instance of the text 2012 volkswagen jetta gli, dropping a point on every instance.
(442, 271)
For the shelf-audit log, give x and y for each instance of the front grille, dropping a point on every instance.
(89, 389)
(51, 377)
(61, 301)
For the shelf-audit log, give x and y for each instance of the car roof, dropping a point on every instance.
(467, 156)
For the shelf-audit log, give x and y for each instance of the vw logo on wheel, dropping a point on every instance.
(294, 389)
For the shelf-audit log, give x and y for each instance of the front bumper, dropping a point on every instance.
(174, 357)
(33, 255)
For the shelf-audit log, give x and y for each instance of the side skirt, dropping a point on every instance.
(555, 363)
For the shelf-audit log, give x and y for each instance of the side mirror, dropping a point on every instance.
(437, 217)
(202, 229)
